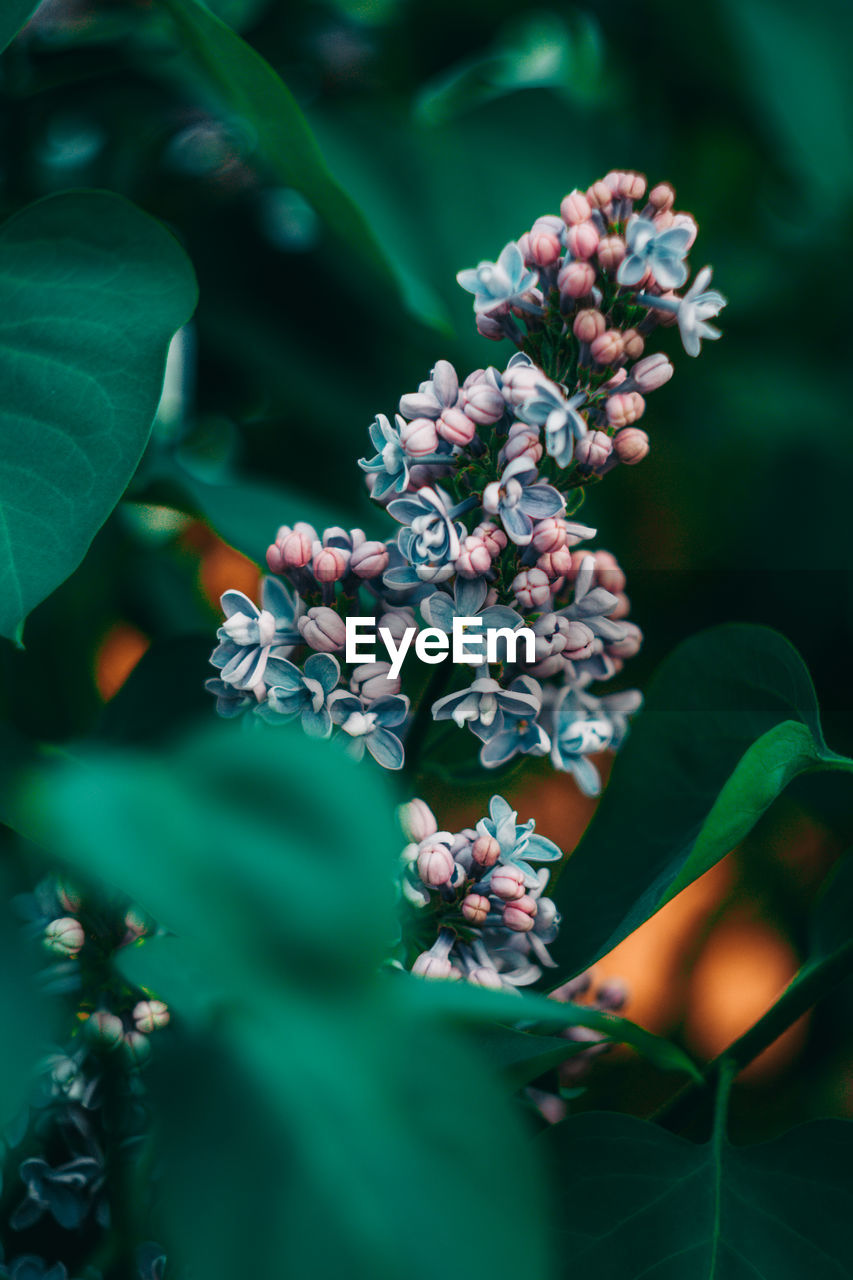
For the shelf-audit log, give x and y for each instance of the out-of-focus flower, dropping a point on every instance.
(502, 284)
(660, 252)
(305, 693)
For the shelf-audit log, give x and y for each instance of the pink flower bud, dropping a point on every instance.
(574, 208)
(599, 195)
(543, 247)
(608, 574)
(474, 558)
(520, 916)
(663, 220)
(507, 883)
(419, 437)
(429, 966)
(494, 538)
(150, 1015)
(488, 327)
(611, 251)
(105, 1029)
(275, 560)
(594, 449)
(549, 534)
(330, 564)
(633, 344)
(580, 641)
(624, 408)
(371, 681)
(582, 239)
(555, 564)
(589, 325)
(531, 588)
(525, 440)
(621, 609)
(613, 180)
(456, 427)
(369, 560)
(662, 197)
(137, 1048)
(64, 937)
(297, 548)
(417, 820)
(69, 899)
(322, 629)
(635, 186)
(607, 347)
(475, 907)
(485, 851)
(631, 446)
(630, 644)
(519, 382)
(435, 864)
(483, 977)
(576, 279)
(397, 621)
(653, 372)
(483, 403)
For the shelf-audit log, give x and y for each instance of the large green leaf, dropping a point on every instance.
(343, 1129)
(636, 1201)
(91, 292)
(730, 718)
(13, 16)
(248, 86)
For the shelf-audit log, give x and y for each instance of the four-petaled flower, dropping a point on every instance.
(483, 704)
(496, 286)
(468, 601)
(520, 731)
(520, 845)
(584, 725)
(430, 541)
(390, 465)
(370, 726)
(249, 634)
(305, 693)
(520, 501)
(698, 306)
(660, 252)
(548, 407)
(592, 604)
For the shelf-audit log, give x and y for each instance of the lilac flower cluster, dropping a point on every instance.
(476, 893)
(483, 475)
(86, 1107)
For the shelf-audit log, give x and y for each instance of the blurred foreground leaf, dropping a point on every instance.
(332, 1117)
(13, 16)
(636, 1201)
(730, 718)
(91, 291)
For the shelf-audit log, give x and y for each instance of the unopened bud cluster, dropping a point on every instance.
(476, 893)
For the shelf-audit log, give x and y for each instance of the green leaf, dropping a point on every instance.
(247, 85)
(344, 1119)
(15, 13)
(91, 292)
(636, 1201)
(23, 1012)
(730, 718)
(478, 1008)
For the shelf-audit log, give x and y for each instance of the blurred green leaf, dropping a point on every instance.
(344, 1116)
(249, 87)
(23, 1013)
(92, 290)
(476, 1008)
(730, 718)
(797, 68)
(13, 16)
(636, 1201)
(537, 51)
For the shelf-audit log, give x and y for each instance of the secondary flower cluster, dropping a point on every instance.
(483, 475)
(476, 894)
(86, 1110)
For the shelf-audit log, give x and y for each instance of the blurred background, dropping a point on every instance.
(453, 125)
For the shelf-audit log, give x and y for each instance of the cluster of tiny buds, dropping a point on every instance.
(485, 894)
(109, 1031)
(315, 562)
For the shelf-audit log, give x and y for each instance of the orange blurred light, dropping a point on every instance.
(117, 655)
(741, 972)
(222, 568)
